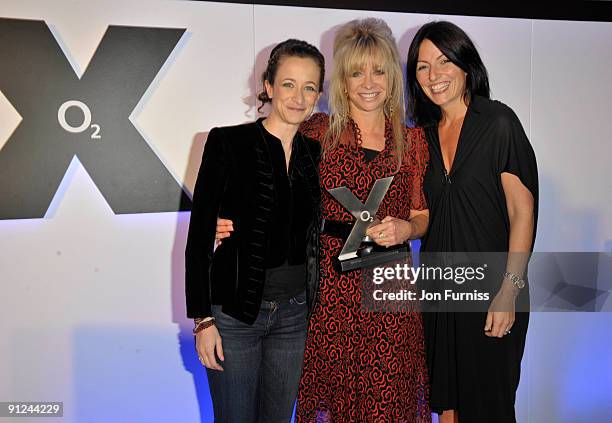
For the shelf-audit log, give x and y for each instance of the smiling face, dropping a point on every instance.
(295, 90)
(367, 87)
(441, 80)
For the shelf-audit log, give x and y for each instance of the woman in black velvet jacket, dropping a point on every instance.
(250, 298)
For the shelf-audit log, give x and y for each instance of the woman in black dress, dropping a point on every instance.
(482, 191)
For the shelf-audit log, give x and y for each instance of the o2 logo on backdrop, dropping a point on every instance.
(64, 116)
(61, 118)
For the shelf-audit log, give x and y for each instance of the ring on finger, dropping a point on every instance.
(381, 235)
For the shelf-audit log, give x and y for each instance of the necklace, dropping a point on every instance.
(357, 135)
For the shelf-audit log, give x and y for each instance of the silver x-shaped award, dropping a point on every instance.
(364, 213)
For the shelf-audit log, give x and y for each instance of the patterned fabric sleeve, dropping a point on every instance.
(418, 157)
(315, 127)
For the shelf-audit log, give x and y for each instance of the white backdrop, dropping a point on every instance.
(92, 305)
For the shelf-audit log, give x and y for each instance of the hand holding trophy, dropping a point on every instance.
(359, 249)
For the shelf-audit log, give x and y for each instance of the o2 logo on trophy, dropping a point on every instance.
(61, 118)
(366, 216)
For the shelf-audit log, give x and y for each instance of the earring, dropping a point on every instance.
(343, 114)
(389, 109)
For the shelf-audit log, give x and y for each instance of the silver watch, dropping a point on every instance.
(516, 281)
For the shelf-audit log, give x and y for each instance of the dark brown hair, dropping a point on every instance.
(457, 46)
(289, 48)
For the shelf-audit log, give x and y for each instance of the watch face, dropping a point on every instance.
(520, 284)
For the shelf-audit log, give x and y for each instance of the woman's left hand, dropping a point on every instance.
(390, 231)
(500, 317)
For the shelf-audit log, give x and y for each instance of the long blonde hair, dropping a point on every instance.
(356, 43)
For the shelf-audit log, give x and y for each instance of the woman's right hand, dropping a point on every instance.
(225, 227)
(208, 341)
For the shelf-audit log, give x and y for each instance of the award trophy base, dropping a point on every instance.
(370, 255)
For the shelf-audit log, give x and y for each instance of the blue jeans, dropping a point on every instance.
(263, 363)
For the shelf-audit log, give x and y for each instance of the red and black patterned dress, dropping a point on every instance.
(363, 366)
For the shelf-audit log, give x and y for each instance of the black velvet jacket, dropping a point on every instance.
(235, 181)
